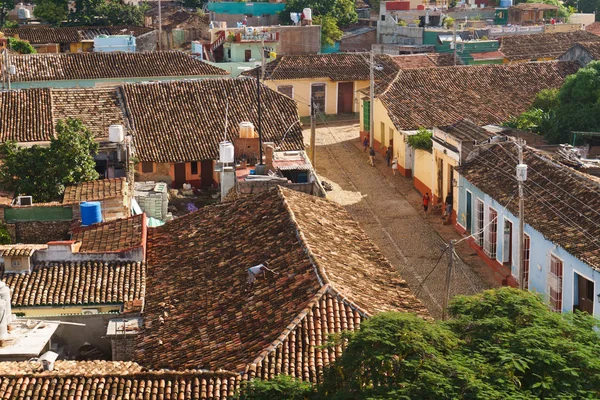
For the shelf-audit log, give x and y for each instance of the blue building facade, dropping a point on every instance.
(565, 281)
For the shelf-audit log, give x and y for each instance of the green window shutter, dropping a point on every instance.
(366, 115)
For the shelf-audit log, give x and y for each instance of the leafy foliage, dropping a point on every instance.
(563, 11)
(10, 24)
(43, 172)
(101, 12)
(5, 7)
(422, 140)
(330, 33)
(52, 11)
(21, 46)
(573, 107)
(328, 12)
(499, 344)
(585, 6)
(5, 237)
(278, 388)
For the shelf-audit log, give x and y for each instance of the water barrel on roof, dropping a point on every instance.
(91, 212)
(506, 3)
(23, 13)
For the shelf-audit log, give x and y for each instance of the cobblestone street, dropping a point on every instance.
(387, 207)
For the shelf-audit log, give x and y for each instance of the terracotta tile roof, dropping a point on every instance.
(182, 121)
(71, 34)
(201, 313)
(488, 55)
(118, 235)
(112, 379)
(30, 115)
(16, 251)
(593, 28)
(100, 189)
(465, 130)
(485, 94)
(76, 66)
(69, 283)
(542, 45)
(593, 48)
(26, 115)
(535, 6)
(563, 203)
(432, 60)
(335, 66)
(113, 236)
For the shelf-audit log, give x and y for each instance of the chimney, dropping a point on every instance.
(269, 149)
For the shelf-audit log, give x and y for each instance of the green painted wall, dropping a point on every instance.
(58, 213)
(246, 8)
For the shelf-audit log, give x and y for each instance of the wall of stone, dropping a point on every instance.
(147, 41)
(41, 232)
(123, 348)
(360, 42)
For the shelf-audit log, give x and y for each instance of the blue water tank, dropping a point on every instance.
(506, 3)
(91, 212)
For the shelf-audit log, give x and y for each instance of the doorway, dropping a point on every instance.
(345, 97)
(247, 55)
(179, 175)
(206, 173)
(468, 211)
(585, 294)
(507, 247)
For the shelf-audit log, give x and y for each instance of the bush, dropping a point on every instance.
(21, 46)
(422, 140)
(279, 388)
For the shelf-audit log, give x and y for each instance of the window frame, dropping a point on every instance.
(286, 86)
(556, 299)
(192, 165)
(491, 246)
(324, 85)
(479, 216)
(143, 170)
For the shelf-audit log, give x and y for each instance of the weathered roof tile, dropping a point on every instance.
(542, 45)
(113, 236)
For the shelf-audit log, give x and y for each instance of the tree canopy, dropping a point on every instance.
(340, 13)
(90, 12)
(43, 172)
(5, 7)
(573, 107)
(499, 344)
(21, 46)
(52, 11)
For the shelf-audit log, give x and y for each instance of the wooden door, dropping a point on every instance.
(345, 97)
(507, 246)
(179, 175)
(206, 173)
(247, 55)
(585, 297)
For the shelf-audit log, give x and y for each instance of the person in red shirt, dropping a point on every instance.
(426, 203)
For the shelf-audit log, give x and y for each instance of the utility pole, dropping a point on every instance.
(260, 161)
(521, 177)
(262, 64)
(448, 278)
(159, 26)
(371, 99)
(454, 41)
(313, 123)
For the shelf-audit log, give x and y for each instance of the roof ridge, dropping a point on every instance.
(319, 270)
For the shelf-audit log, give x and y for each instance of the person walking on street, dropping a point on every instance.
(388, 155)
(372, 156)
(365, 143)
(395, 166)
(448, 203)
(426, 203)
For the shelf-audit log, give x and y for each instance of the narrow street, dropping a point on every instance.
(387, 207)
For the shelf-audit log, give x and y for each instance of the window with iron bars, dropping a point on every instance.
(479, 218)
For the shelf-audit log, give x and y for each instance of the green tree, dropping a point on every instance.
(52, 11)
(330, 33)
(20, 46)
(43, 172)
(5, 7)
(279, 388)
(499, 344)
(344, 11)
(111, 13)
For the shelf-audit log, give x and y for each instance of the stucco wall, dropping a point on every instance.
(423, 172)
(541, 249)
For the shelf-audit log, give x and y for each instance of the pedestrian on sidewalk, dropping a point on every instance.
(448, 203)
(426, 203)
(365, 143)
(388, 155)
(372, 156)
(395, 166)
